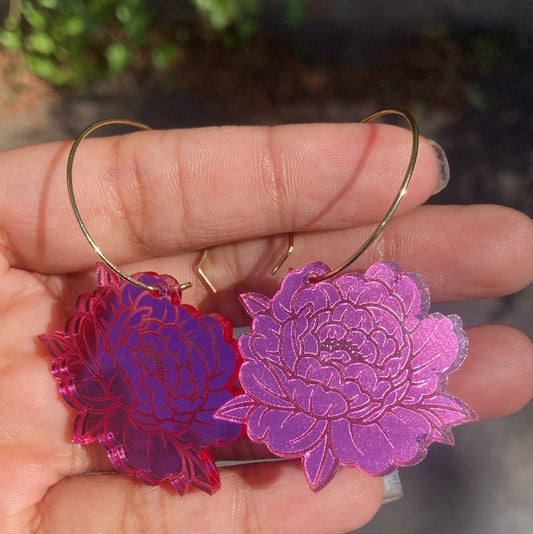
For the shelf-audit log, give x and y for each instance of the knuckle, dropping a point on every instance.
(129, 201)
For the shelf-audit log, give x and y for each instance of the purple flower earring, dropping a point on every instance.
(146, 373)
(350, 370)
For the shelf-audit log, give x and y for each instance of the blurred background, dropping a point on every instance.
(465, 69)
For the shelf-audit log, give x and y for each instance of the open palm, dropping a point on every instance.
(152, 200)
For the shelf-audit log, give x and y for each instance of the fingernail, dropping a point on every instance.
(444, 169)
(392, 488)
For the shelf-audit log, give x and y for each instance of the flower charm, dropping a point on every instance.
(146, 375)
(349, 371)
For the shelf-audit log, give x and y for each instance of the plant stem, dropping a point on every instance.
(15, 12)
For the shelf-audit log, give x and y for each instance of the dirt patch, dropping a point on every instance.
(272, 79)
(20, 89)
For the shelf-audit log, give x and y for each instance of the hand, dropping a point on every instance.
(151, 200)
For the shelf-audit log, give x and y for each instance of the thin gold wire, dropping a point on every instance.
(403, 189)
(91, 128)
(200, 272)
(380, 227)
(286, 254)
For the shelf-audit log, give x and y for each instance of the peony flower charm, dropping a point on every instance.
(349, 371)
(146, 375)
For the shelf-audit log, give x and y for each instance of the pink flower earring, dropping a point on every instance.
(146, 373)
(351, 369)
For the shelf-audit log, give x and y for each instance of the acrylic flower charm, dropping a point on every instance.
(349, 371)
(146, 375)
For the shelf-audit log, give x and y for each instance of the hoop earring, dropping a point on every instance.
(350, 369)
(144, 372)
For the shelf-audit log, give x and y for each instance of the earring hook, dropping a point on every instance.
(403, 189)
(209, 285)
(286, 254)
(380, 227)
(83, 135)
(201, 273)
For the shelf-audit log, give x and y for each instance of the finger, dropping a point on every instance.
(463, 252)
(155, 193)
(496, 379)
(271, 497)
(494, 385)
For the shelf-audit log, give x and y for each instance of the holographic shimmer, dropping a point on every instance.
(146, 375)
(349, 371)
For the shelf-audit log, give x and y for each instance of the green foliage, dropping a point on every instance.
(295, 12)
(73, 42)
(235, 20)
(164, 54)
(475, 96)
(11, 40)
(489, 49)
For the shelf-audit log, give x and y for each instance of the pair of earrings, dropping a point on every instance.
(338, 370)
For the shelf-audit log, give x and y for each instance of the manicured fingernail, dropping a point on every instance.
(444, 168)
(392, 488)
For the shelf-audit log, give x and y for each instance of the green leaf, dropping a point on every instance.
(42, 66)
(219, 12)
(40, 42)
(476, 97)
(123, 13)
(164, 54)
(295, 13)
(11, 40)
(182, 34)
(34, 17)
(74, 26)
(49, 4)
(118, 57)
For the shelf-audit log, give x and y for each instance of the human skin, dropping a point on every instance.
(152, 200)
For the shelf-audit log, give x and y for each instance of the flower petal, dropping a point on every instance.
(91, 392)
(255, 303)
(343, 442)
(410, 432)
(291, 284)
(245, 346)
(315, 399)
(445, 411)
(319, 465)
(59, 344)
(314, 433)
(439, 345)
(266, 345)
(285, 433)
(411, 287)
(372, 450)
(312, 370)
(146, 376)
(203, 473)
(319, 296)
(358, 359)
(290, 348)
(206, 430)
(237, 409)
(261, 384)
(89, 427)
(105, 276)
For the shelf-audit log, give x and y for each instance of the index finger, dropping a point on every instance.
(160, 193)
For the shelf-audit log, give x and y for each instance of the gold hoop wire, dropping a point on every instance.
(201, 274)
(403, 189)
(373, 236)
(83, 135)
